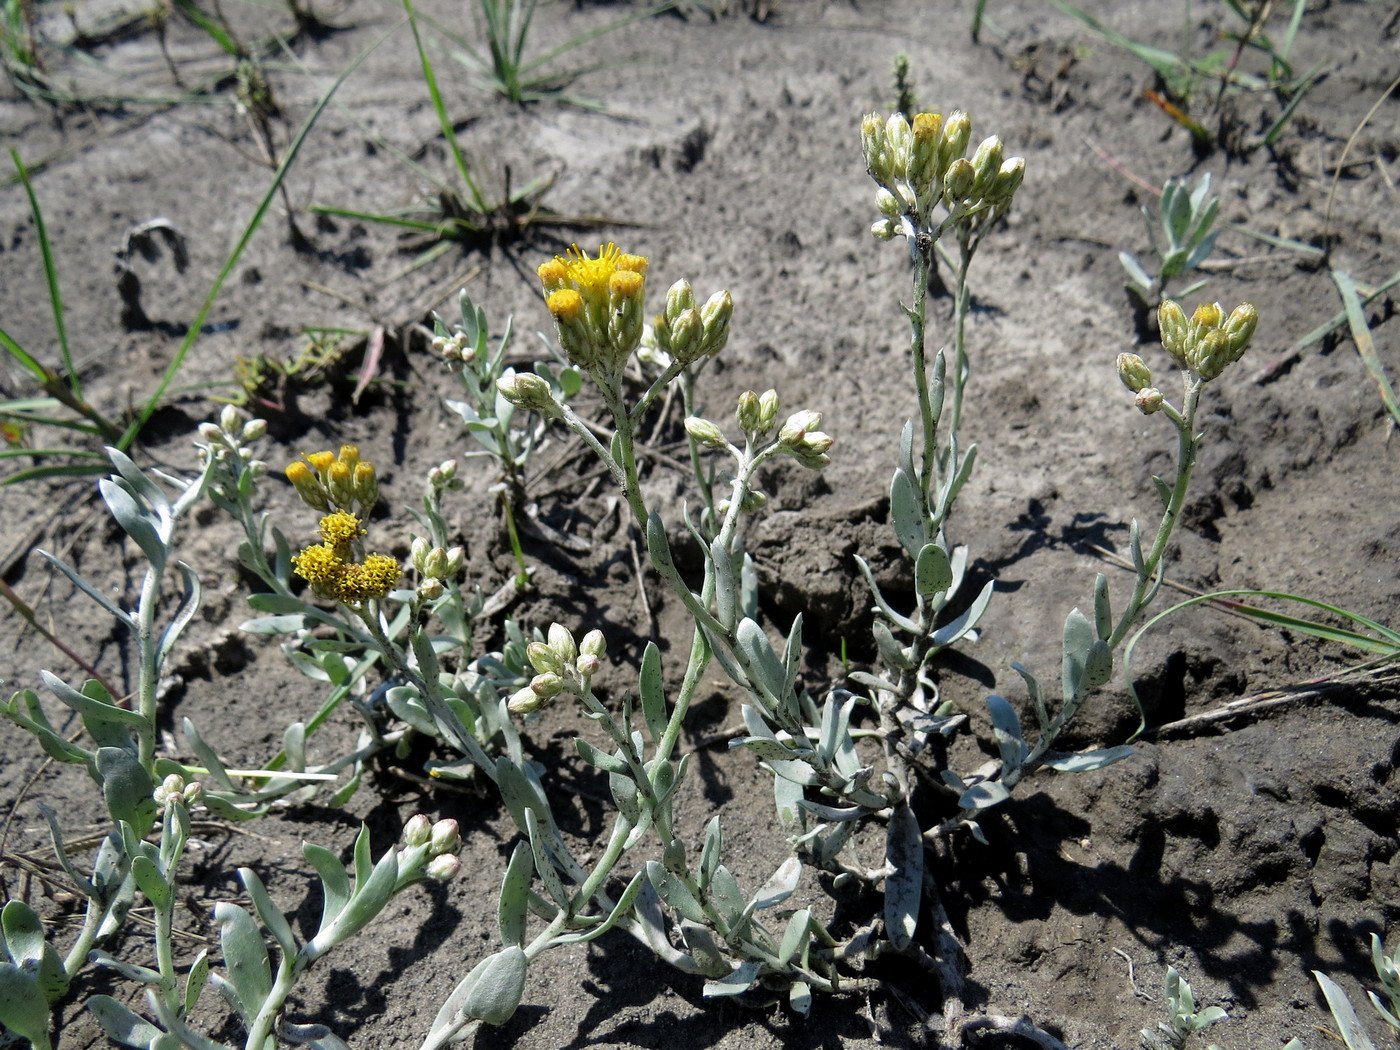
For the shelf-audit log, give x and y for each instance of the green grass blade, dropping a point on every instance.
(367, 216)
(1168, 64)
(1365, 345)
(1387, 645)
(1286, 114)
(293, 148)
(37, 370)
(444, 121)
(51, 275)
(1294, 20)
(214, 30)
(593, 34)
(74, 453)
(71, 470)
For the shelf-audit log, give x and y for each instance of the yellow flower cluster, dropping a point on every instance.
(330, 566)
(335, 481)
(596, 305)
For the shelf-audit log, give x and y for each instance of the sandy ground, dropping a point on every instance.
(1245, 852)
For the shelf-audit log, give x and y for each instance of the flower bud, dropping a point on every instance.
(446, 838)
(679, 298)
(571, 322)
(768, 404)
(593, 644)
(926, 132)
(705, 433)
(1208, 315)
(321, 461)
(212, 433)
(872, 145)
(525, 701)
(884, 230)
(815, 443)
(169, 790)
(553, 275)
(562, 642)
(443, 868)
(194, 793)
(308, 486)
(797, 425)
(1149, 400)
(456, 559)
(687, 331)
(418, 830)
(986, 165)
(527, 390)
(1239, 329)
(891, 207)
(230, 420)
(1175, 330)
(899, 145)
(957, 181)
(253, 430)
(957, 129)
(1133, 372)
(749, 412)
(1210, 354)
(366, 485)
(546, 686)
(714, 316)
(418, 552)
(587, 665)
(544, 659)
(340, 482)
(626, 317)
(1007, 181)
(430, 589)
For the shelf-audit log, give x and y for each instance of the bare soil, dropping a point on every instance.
(1246, 852)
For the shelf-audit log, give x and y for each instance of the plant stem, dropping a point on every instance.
(1188, 445)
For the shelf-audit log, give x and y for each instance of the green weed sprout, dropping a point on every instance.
(1185, 215)
(507, 69)
(1181, 74)
(462, 214)
(1183, 1019)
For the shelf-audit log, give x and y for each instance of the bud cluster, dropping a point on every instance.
(336, 481)
(800, 438)
(687, 332)
(1208, 342)
(435, 566)
(173, 791)
(443, 477)
(561, 666)
(921, 164)
(597, 306)
(431, 847)
(757, 412)
(456, 349)
(227, 441)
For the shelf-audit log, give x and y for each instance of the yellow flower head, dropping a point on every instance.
(339, 529)
(373, 579)
(591, 275)
(318, 565)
